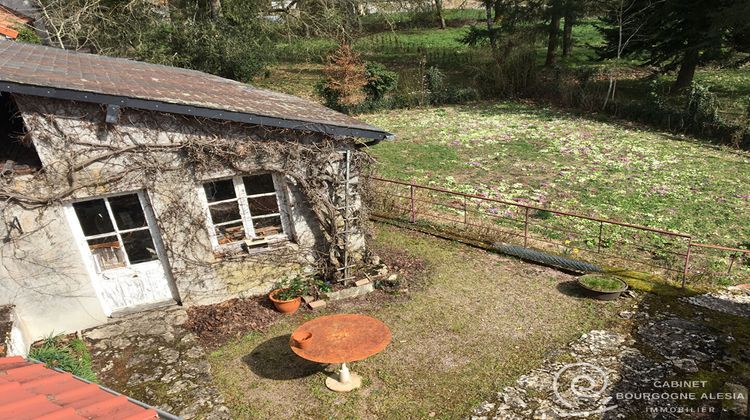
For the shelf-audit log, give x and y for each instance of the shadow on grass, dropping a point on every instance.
(571, 288)
(273, 359)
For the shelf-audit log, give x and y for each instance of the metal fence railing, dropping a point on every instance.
(603, 241)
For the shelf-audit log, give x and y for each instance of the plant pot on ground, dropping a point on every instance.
(602, 286)
(285, 303)
(287, 294)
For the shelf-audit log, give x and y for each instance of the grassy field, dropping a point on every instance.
(584, 164)
(576, 163)
(455, 343)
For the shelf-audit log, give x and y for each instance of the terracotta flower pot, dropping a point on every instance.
(285, 306)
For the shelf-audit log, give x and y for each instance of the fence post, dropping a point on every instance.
(526, 228)
(599, 244)
(687, 261)
(413, 209)
(466, 216)
(731, 263)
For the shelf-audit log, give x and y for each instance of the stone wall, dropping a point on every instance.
(168, 157)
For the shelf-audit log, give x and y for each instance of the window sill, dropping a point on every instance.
(237, 250)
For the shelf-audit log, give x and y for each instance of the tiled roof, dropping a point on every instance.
(8, 22)
(118, 81)
(32, 391)
(25, 8)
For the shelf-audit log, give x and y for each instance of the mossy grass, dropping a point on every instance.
(602, 283)
(652, 283)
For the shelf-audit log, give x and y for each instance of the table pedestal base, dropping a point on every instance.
(345, 382)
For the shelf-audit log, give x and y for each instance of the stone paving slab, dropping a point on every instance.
(731, 300)
(151, 357)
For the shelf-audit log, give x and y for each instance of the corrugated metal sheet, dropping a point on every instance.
(45, 67)
(32, 391)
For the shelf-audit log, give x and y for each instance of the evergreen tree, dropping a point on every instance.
(676, 34)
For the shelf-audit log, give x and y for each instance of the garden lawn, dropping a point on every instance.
(568, 162)
(471, 323)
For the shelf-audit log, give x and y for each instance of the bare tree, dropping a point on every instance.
(439, 9)
(68, 23)
(625, 17)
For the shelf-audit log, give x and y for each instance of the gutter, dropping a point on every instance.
(162, 414)
(197, 111)
(388, 137)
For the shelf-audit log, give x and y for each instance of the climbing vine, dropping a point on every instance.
(169, 155)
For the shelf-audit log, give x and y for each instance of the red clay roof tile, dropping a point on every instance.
(32, 391)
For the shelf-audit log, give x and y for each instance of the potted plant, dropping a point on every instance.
(602, 286)
(287, 295)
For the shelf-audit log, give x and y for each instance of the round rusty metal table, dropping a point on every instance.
(341, 339)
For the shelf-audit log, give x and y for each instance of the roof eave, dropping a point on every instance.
(197, 111)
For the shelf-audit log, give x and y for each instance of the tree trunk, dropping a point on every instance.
(215, 9)
(488, 4)
(687, 69)
(554, 33)
(439, 9)
(570, 20)
(498, 12)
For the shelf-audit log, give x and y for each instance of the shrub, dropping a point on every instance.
(345, 79)
(514, 75)
(70, 356)
(435, 84)
(702, 108)
(380, 81)
(27, 34)
(375, 90)
(434, 80)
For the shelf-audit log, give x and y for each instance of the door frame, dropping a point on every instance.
(88, 262)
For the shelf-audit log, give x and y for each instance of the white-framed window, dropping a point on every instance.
(116, 230)
(245, 207)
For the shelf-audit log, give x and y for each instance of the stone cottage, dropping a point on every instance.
(125, 184)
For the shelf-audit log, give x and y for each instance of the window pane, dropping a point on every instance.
(107, 252)
(258, 184)
(219, 190)
(127, 211)
(225, 212)
(139, 246)
(263, 205)
(93, 217)
(267, 226)
(232, 232)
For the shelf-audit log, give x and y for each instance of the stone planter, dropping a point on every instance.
(609, 294)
